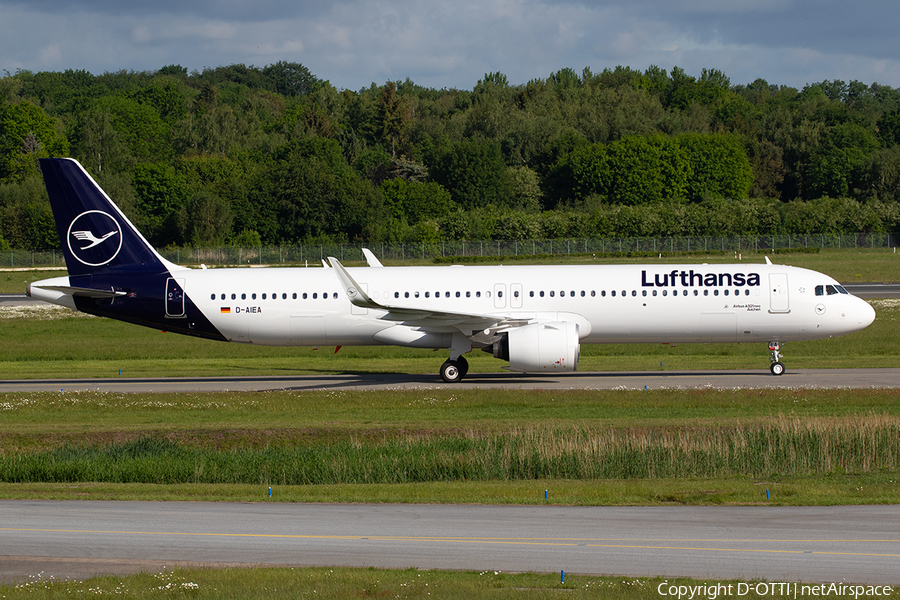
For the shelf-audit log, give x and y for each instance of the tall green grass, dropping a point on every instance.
(783, 446)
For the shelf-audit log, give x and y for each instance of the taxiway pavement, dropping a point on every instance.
(62, 539)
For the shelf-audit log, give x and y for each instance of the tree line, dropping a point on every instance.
(247, 155)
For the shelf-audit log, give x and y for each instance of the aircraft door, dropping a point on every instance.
(515, 295)
(499, 295)
(779, 301)
(174, 298)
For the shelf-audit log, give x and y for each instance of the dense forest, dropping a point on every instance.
(246, 155)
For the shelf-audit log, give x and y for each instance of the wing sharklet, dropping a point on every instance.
(371, 259)
(353, 290)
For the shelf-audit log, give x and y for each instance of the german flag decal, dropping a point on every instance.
(225, 310)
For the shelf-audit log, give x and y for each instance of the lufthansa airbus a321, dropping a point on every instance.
(535, 317)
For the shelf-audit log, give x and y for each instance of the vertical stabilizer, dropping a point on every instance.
(95, 235)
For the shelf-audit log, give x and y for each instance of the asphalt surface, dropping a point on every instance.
(624, 380)
(859, 544)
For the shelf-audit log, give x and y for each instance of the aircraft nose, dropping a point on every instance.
(865, 314)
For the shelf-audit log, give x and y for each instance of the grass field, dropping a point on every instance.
(274, 583)
(476, 446)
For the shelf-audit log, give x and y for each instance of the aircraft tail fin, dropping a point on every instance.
(94, 234)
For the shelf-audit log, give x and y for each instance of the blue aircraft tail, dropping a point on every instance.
(95, 235)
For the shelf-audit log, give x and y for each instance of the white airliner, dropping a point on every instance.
(535, 317)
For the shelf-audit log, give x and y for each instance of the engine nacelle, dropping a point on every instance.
(541, 348)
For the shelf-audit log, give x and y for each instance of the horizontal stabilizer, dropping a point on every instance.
(84, 292)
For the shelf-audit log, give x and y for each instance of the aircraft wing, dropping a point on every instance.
(480, 327)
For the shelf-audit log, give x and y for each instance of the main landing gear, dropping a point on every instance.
(777, 367)
(456, 367)
(453, 371)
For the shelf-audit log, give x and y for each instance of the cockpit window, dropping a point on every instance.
(831, 290)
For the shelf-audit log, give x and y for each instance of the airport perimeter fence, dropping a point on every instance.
(315, 253)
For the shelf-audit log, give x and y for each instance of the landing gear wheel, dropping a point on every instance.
(777, 367)
(463, 365)
(451, 371)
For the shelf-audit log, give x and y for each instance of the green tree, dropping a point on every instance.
(413, 201)
(882, 175)
(583, 173)
(26, 134)
(475, 174)
(139, 126)
(290, 78)
(26, 221)
(168, 100)
(317, 195)
(835, 168)
(204, 219)
(160, 193)
(719, 166)
(525, 189)
(646, 170)
(393, 117)
(889, 128)
(98, 145)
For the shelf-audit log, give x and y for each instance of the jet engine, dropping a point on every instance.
(540, 348)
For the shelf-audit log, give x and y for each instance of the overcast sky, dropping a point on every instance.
(353, 43)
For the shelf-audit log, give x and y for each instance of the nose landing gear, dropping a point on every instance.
(777, 366)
